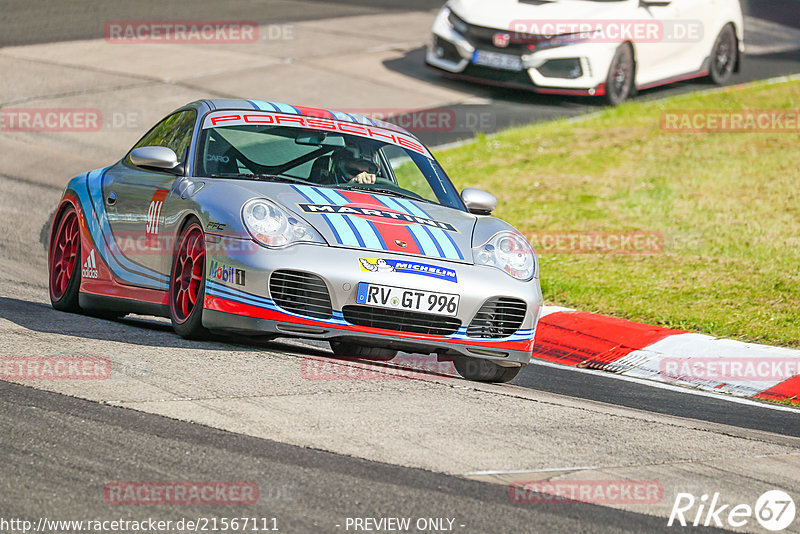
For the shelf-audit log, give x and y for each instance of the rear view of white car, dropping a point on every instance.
(603, 48)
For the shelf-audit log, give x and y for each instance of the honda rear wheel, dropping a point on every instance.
(621, 76)
(724, 56)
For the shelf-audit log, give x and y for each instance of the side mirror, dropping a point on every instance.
(479, 202)
(154, 157)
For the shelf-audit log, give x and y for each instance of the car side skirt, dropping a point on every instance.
(89, 301)
(702, 73)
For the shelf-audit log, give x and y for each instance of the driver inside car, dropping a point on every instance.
(344, 167)
(356, 170)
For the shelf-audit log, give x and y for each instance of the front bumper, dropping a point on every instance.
(241, 300)
(452, 53)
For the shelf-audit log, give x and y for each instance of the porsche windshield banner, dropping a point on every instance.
(351, 126)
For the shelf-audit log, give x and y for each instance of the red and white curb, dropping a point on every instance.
(636, 350)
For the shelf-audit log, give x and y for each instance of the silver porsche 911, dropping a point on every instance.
(265, 219)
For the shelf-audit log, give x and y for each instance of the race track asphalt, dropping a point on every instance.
(59, 453)
(46, 21)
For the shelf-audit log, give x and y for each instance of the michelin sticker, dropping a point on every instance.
(380, 265)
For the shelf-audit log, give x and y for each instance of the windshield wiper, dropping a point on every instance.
(265, 177)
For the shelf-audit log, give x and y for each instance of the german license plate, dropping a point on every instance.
(497, 61)
(399, 298)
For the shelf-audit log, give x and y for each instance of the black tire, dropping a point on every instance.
(724, 56)
(188, 277)
(479, 370)
(64, 273)
(344, 349)
(621, 76)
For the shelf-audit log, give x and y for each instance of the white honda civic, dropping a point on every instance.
(603, 48)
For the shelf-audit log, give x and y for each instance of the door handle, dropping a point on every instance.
(111, 199)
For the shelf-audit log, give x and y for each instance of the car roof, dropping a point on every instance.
(277, 107)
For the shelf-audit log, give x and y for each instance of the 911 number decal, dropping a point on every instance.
(154, 216)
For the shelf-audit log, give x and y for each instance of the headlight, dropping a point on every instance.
(538, 43)
(273, 227)
(457, 23)
(558, 41)
(509, 252)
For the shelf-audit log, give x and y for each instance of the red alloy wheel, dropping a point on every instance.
(64, 254)
(187, 276)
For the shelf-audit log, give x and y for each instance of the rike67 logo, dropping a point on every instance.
(774, 511)
(154, 217)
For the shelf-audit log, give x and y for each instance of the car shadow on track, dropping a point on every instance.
(134, 329)
(154, 332)
(412, 366)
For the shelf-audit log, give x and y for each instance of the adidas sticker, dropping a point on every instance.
(90, 267)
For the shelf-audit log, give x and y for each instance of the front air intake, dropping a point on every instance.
(401, 320)
(499, 317)
(301, 293)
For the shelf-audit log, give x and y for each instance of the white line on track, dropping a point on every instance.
(524, 471)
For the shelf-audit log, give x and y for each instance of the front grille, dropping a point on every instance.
(496, 75)
(483, 38)
(401, 321)
(498, 318)
(301, 293)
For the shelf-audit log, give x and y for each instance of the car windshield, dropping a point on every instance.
(325, 159)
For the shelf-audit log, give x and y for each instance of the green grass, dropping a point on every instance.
(728, 206)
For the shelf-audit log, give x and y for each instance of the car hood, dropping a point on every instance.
(501, 14)
(376, 222)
